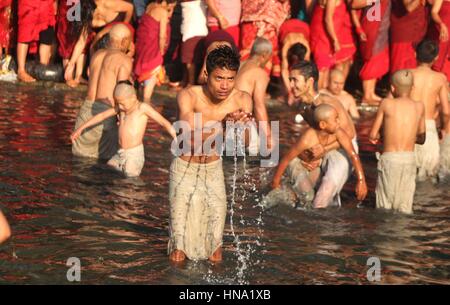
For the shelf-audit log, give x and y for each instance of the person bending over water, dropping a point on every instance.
(132, 124)
(198, 201)
(107, 67)
(325, 132)
(403, 124)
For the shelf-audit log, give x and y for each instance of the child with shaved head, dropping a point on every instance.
(325, 131)
(403, 121)
(132, 124)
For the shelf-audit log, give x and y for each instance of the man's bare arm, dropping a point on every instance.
(353, 109)
(94, 121)
(121, 6)
(421, 129)
(346, 144)
(374, 134)
(125, 69)
(158, 118)
(443, 99)
(291, 154)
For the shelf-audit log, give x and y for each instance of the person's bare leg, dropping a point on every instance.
(148, 90)
(177, 256)
(323, 79)
(216, 256)
(45, 53)
(370, 97)
(22, 51)
(79, 65)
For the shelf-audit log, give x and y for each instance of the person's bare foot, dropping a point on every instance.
(23, 76)
(216, 256)
(72, 83)
(177, 256)
(373, 100)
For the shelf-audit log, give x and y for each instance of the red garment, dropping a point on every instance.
(249, 32)
(442, 63)
(5, 25)
(148, 53)
(34, 16)
(293, 26)
(344, 32)
(403, 56)
(321, 48)
(375, 51)
(376, 66)
(321, 44)
(263, 18)
(234, 31)
(66, 43)
(407, 29)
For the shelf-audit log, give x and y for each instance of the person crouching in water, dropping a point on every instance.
(132, 124)
(403, 121)
(325, 131)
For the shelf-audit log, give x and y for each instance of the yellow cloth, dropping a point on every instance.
(198, 207)
(99, 141)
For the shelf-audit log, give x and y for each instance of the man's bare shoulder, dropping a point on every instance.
(308, 136)
(189, 93)
(331, 100)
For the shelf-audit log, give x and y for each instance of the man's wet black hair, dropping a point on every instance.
(307, 69)
(296, 53)
(426, 51)
(223, 57)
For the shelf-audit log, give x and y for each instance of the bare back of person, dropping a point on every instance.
(116, 66)
(200, 103)
(246, 77)
(132, 127)
(94, 74)
(401, 121)
(345, 121)
(428, 84)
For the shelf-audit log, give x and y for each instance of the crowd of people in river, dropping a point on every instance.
(228, 51)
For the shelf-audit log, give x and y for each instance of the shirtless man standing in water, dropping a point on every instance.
(253, 79)
(197, 194)
(107, 68)
(431, 89)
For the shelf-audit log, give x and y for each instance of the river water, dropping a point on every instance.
(61, 207)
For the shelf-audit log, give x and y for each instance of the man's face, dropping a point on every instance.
(221, 83)
(336, 84)
(298, 84)
(332, 123)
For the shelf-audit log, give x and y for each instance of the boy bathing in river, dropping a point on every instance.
(403, 121)
(133, 117)
(325, 132)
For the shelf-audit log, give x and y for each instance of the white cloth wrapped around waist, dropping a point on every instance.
(427, 155)
(444, 162)
(99, 141)
(129, 161)
(198, 207)
(336, 168)
(194, 19)
(396, 181)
